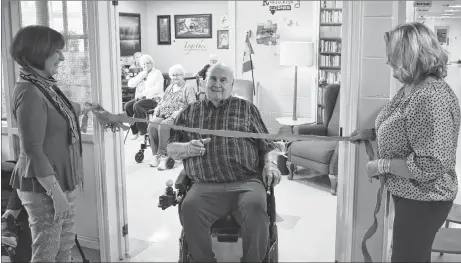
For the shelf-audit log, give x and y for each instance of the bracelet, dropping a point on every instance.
(50, 191)
(384, 166)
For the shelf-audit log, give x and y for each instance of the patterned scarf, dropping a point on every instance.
(56, 97)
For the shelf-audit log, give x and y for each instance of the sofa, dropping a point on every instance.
(320, 156)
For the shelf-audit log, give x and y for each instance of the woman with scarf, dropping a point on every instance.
(50, 166)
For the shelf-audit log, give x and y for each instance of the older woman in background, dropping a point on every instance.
(50, 163)
(176, 98)
(149, 91)
(417, 133)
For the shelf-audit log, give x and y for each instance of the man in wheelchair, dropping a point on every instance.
(229, 175)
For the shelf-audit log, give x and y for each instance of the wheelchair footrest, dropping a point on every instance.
(227, 235)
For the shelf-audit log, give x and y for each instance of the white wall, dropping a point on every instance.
(277, 82)
(166, 56)
(454, 34)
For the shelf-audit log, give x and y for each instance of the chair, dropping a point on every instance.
(226, 229)
(245, 89)
(448, 240)
(320, 156)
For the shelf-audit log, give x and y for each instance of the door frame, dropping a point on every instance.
(108, 145)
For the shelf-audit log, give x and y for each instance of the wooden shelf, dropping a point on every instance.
(331, 38)
(331, 24)
(330, 53)
(330, 9)
(329, 68)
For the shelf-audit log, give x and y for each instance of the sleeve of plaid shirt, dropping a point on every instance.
(258, 126)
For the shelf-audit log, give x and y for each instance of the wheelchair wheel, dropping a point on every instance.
(273, 253)
(139, 156)
(183, 249)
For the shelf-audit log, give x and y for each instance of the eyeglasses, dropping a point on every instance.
(177, 75)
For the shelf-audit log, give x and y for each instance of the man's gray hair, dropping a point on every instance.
(221, 66)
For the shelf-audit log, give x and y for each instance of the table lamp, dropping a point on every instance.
(297, 54)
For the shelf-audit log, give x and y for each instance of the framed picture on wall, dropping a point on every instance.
(130, 34)
(193, 26)
(163, 30)
(223, 39)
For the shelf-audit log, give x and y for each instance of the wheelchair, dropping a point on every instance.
(226, 229)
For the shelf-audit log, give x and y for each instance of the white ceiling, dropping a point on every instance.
(439, 8)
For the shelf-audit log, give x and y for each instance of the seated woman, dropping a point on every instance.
(176, 98)
(213, 60)
(149, 91)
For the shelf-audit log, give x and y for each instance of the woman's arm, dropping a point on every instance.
(133, 82)
(32, 117)
(154, 85)
(430, 131)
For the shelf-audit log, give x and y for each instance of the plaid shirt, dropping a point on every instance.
(226, 159)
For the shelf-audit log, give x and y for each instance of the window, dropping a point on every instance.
(70, 18)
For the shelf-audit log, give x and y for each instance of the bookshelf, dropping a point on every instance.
(329, 53)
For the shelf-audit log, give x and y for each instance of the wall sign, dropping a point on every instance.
(422, 3)
(194, 46)
(281, 5)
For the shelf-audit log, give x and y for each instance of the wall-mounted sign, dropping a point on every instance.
(422, 9)
(281, 5)
(422, 3)
(194, 46)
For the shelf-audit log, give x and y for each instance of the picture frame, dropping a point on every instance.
(163, 30)
(193, 26)
(222, 39)
(130, 33)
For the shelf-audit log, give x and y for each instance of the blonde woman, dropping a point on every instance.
(417, 134)
(149, 91)
(176, 98)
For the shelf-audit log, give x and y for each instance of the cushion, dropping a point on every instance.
(319, 151)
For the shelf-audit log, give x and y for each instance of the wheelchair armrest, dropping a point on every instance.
(182, 182)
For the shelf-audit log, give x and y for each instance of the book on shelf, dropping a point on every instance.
(331, 31)
(320, 114)
(331, 4)
(331, 16)
(330, 46)
(330, 61)
(330, 77)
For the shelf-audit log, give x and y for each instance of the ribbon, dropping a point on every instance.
(115, 122)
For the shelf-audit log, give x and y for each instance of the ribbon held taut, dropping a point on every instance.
(115, 122)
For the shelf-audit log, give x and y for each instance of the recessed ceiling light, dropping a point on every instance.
(447, 14)
(452, 10)
(455, 6)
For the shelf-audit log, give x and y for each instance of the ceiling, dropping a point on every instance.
(439, 9)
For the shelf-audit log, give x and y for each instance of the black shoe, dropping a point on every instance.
(9, 236)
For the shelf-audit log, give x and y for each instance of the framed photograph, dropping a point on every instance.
(130, 34)
(223, 39)
(193, 26)
(163, 30)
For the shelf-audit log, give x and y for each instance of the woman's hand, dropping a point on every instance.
(197, 147)
(358, 135)
(61, 206)
(372, 170)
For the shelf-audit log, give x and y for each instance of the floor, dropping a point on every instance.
(154, 233)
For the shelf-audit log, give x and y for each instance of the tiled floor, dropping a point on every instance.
(306, 209)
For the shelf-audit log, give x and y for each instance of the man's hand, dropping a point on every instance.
(197, 147)
(271, 174)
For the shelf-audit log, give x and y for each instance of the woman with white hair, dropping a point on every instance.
(149, 91)
(176, 98)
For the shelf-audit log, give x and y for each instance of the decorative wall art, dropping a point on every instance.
(163, 30)
(266, 33)
(281, 5)
(130, 34)
(193, 26)
(223, 39)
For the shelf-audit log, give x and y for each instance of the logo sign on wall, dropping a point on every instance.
(194, 46)
(281, 5)
(422, 3)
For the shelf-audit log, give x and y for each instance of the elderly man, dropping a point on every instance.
(226, 172)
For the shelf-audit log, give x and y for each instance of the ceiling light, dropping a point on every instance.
(447, 14)
(455, 6)
(452, 10)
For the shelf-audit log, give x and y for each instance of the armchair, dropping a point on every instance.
(320, 156)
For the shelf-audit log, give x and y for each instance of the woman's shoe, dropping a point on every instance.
(9, 238)
(155, 161)
(165, 163)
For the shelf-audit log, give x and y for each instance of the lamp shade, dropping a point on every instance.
(296, 53)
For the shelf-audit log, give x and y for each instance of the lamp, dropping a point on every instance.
(297, 54)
